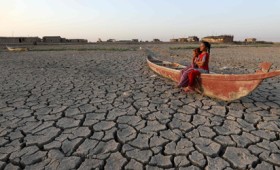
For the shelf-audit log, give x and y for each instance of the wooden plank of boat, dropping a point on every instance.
(17, 48)
(227, 87)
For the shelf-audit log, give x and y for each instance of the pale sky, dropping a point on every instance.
(141, 19)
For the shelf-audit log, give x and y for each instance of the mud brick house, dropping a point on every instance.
(156, 40)
(193, 39)
(182, 40)
(250, 40)
(111, 40)
(77, 41)
(174, 40)
(19, 40)
(219, 39)
(52, 39)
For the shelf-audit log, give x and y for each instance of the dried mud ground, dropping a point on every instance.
(105, 109)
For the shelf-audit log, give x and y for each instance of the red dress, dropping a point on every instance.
(205, 58)
(196, 72)
(189, 75)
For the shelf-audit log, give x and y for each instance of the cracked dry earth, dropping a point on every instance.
(105, 110)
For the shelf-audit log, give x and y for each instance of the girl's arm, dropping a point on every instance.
(201, 63)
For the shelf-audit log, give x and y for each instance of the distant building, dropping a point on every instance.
(19, 40)
(64, 40)
(135, 40)
(124, 41)
(156, 40)
(219, 39)
(52, 39)
(77, 40)
(129, 41)
(250, 40)
(193, 39)
(173, 40)
(36, 40)
(182, 40)
(9, 40)
(111, 40)
(30, 40)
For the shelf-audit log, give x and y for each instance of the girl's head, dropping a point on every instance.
(196, 52)
(205, 46)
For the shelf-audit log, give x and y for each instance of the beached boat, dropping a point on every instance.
(17, 48)
(225, 87)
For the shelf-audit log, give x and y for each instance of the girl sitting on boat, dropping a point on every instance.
(185, 73)
(199, 65)
(203, 58)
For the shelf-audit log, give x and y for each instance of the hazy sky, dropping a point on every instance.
(142, 19)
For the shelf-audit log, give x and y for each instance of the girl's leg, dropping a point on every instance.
(184, 79)
(192, 76)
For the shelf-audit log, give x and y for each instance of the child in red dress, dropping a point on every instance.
(200, 65)
(203, 60)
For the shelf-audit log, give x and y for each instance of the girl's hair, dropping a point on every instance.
(207, 45)
(197, 50)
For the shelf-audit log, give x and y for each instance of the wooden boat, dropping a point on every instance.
(227, 87)
(17, 48)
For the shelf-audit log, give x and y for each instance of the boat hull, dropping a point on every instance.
(17, 49)
(225, 87)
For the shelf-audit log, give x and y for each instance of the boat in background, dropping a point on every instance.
(17, 48)
(226, 87)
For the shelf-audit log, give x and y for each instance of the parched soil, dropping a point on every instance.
(105, 109)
